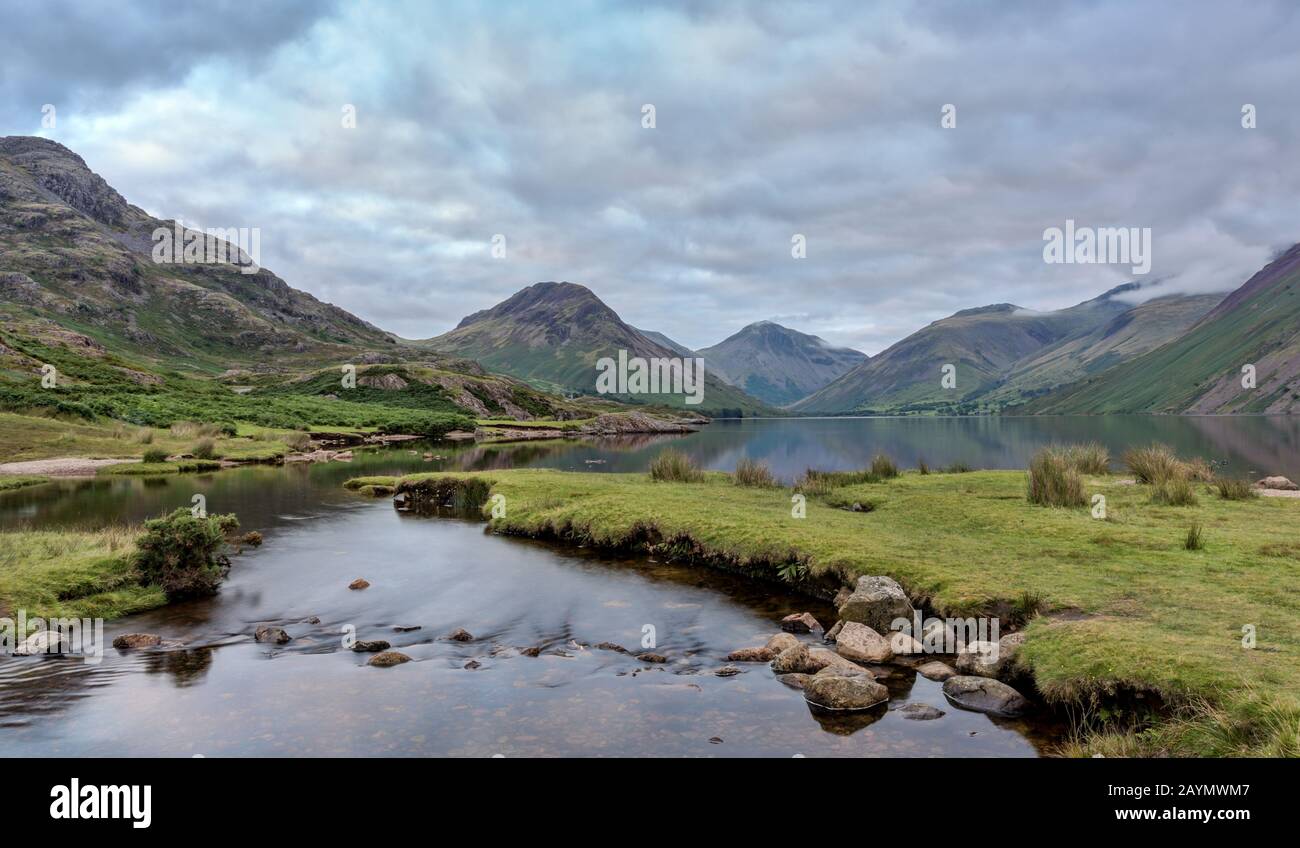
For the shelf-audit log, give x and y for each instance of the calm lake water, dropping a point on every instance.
(222, 694)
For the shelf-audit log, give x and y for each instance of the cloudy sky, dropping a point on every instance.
(525, 119)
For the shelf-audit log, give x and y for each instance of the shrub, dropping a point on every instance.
(253, 538)
(155, 455)
(1235, 489)
(204, 449)
(143, 436)
(297, 441)
(1195, 538)
(922, 467)
(672, 465)
(1053, 481)
(183, 553)
(1154, 464)
(193, 429)
(753, 474)
(814, 483)
(958, 468)
(1174, 491)
(883, 467)
(1198, 470)
(1088, 458)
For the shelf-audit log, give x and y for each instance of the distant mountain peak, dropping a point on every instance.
(778, 364)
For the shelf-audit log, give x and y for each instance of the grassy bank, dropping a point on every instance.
(1126, 606)
(136, 469)
(74, 574)
(9, 483)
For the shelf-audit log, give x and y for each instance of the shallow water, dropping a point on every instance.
(223, 694)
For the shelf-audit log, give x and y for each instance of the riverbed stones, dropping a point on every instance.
(610, 646)
(796, 680)
(359, 583)
(43, 642)
(935, 670)
(876, 602)
(1278, 483)
(460, 634)
(128, 641)
(273, 635)
(842, 595)
(984, 695)
(834, 631)
(650, 657)
(370, 646)
(795, 661)
(826, 660)
(903, 645)
(800, 622)
(991, 659)
(859, 642)
(780, 642)
(750, 655)
(833, 692)
(727, 671)
(920, 712)
(388, 658)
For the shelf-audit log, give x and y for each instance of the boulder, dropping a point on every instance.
(388, 658)
(370, 646)
(936, 670)
(780, 642)
(824, 659)
(991, 659)
(877, 602)
(727, 671)
(921, 712)
(652, 658)
(800, 622)
(136, 640)
(984, 695)
(842, 595)
(859, 642)
(1281, 483)
(833, 692)
(472, 664)
(796, 680)
(795, 661)
(274, 635)
(750, 655)
(460, 634)
(359, 583)
(834, 631)
(903, 645)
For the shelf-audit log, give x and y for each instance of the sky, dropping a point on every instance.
(771, 121)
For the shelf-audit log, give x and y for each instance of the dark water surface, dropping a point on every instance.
(223, 694)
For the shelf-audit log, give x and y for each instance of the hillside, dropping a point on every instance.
(982, 344)
(776, 364)
(552, 334)
(1201, 370)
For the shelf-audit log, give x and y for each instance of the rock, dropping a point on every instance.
(610, 646)
(405, 628)
(780, 642)
(921, 712)
(531, 652)
(796, 680)
(902, 644)
(652, 658)
(275, 635)
(315, 619)
(371, 646)
(1281, 483)
(473, 664)
(991, 659)
(842, 596)
(984, 695)
(824, 659)
(800, 622)
(727, 671)
(359, 583)
(136, 640)
(857, 507)
(42, 642)
(795, 660)
(936, 670)
(460, 634)
(859, 642)
(750, 655)
(834, 631)
(877, 602)
(831, 692)
(388, 658)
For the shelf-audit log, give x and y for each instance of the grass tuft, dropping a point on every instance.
(1195, 540)
(1235, 489)
(1153, 464)
(673, 466)
(754, 474)
(1053, 481)
(1174, 491)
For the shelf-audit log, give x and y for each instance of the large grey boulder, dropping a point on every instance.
(796, 661)
(859, 642)
(876, 602)
(991, 659)
(984, 695)
(833, 692)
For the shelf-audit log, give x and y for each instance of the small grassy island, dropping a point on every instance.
(1120, 601)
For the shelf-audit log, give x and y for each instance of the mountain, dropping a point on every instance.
(776, 364)
(73, 251)
(552, 334)
(982, 344)
(1201, 370)
(677, 347)
(1129, 335)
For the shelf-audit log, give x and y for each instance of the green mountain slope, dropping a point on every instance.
(552, 334)
(1201, 370)
(776, 364)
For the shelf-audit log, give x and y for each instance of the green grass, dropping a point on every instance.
(536, 424)
(1146, 615)
(1054, 480)
(73, 574)
(750, 472)
(182, 466)
(672, 465)
(9, 483)
(29, 437)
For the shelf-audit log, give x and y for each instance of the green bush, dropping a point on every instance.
(1154, 464)
(184, 554)
(671, 465)
(1235, 489)
(154, 455)
(1053, 481)
(1174, 491)
(753, 474)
